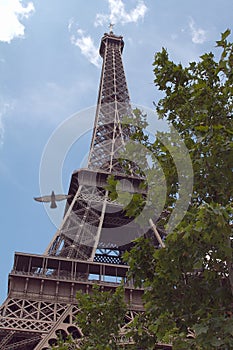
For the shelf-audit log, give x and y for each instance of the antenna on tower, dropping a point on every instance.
(111, 25)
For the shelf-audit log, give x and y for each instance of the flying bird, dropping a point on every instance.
(53, 198)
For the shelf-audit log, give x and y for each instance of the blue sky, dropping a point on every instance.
(50, 69)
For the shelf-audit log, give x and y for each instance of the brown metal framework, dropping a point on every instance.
(41, 302)
(94, 226)
(94, 233)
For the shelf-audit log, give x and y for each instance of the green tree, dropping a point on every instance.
(100, 316)
(189, 283)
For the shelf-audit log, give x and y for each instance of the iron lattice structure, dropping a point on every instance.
(94, 233)
(94, 227)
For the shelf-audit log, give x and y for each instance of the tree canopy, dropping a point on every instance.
(189, 283)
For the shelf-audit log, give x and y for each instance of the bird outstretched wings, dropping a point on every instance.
(62, 197)
(53, 198)
(46, 199)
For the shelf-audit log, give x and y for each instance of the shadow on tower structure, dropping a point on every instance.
(94, 233)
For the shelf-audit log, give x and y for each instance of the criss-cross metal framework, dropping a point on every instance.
(95, 227)
(110, 134)
(95, 231)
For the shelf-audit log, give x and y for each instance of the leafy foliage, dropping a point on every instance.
(189, 283)
(100, 316)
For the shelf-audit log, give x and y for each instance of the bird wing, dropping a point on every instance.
(62, 197)
(43, 199)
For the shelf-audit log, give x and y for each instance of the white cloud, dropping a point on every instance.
(2, 130)
(70, 24)
(86, 45)
(11, 14)
(4, 107)
(118, 13)
(198, 34)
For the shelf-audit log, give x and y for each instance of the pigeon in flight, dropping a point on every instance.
(53, 198)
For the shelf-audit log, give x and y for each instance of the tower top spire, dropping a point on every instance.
(111, 25)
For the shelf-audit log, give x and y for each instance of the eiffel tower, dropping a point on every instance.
(95, 231)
